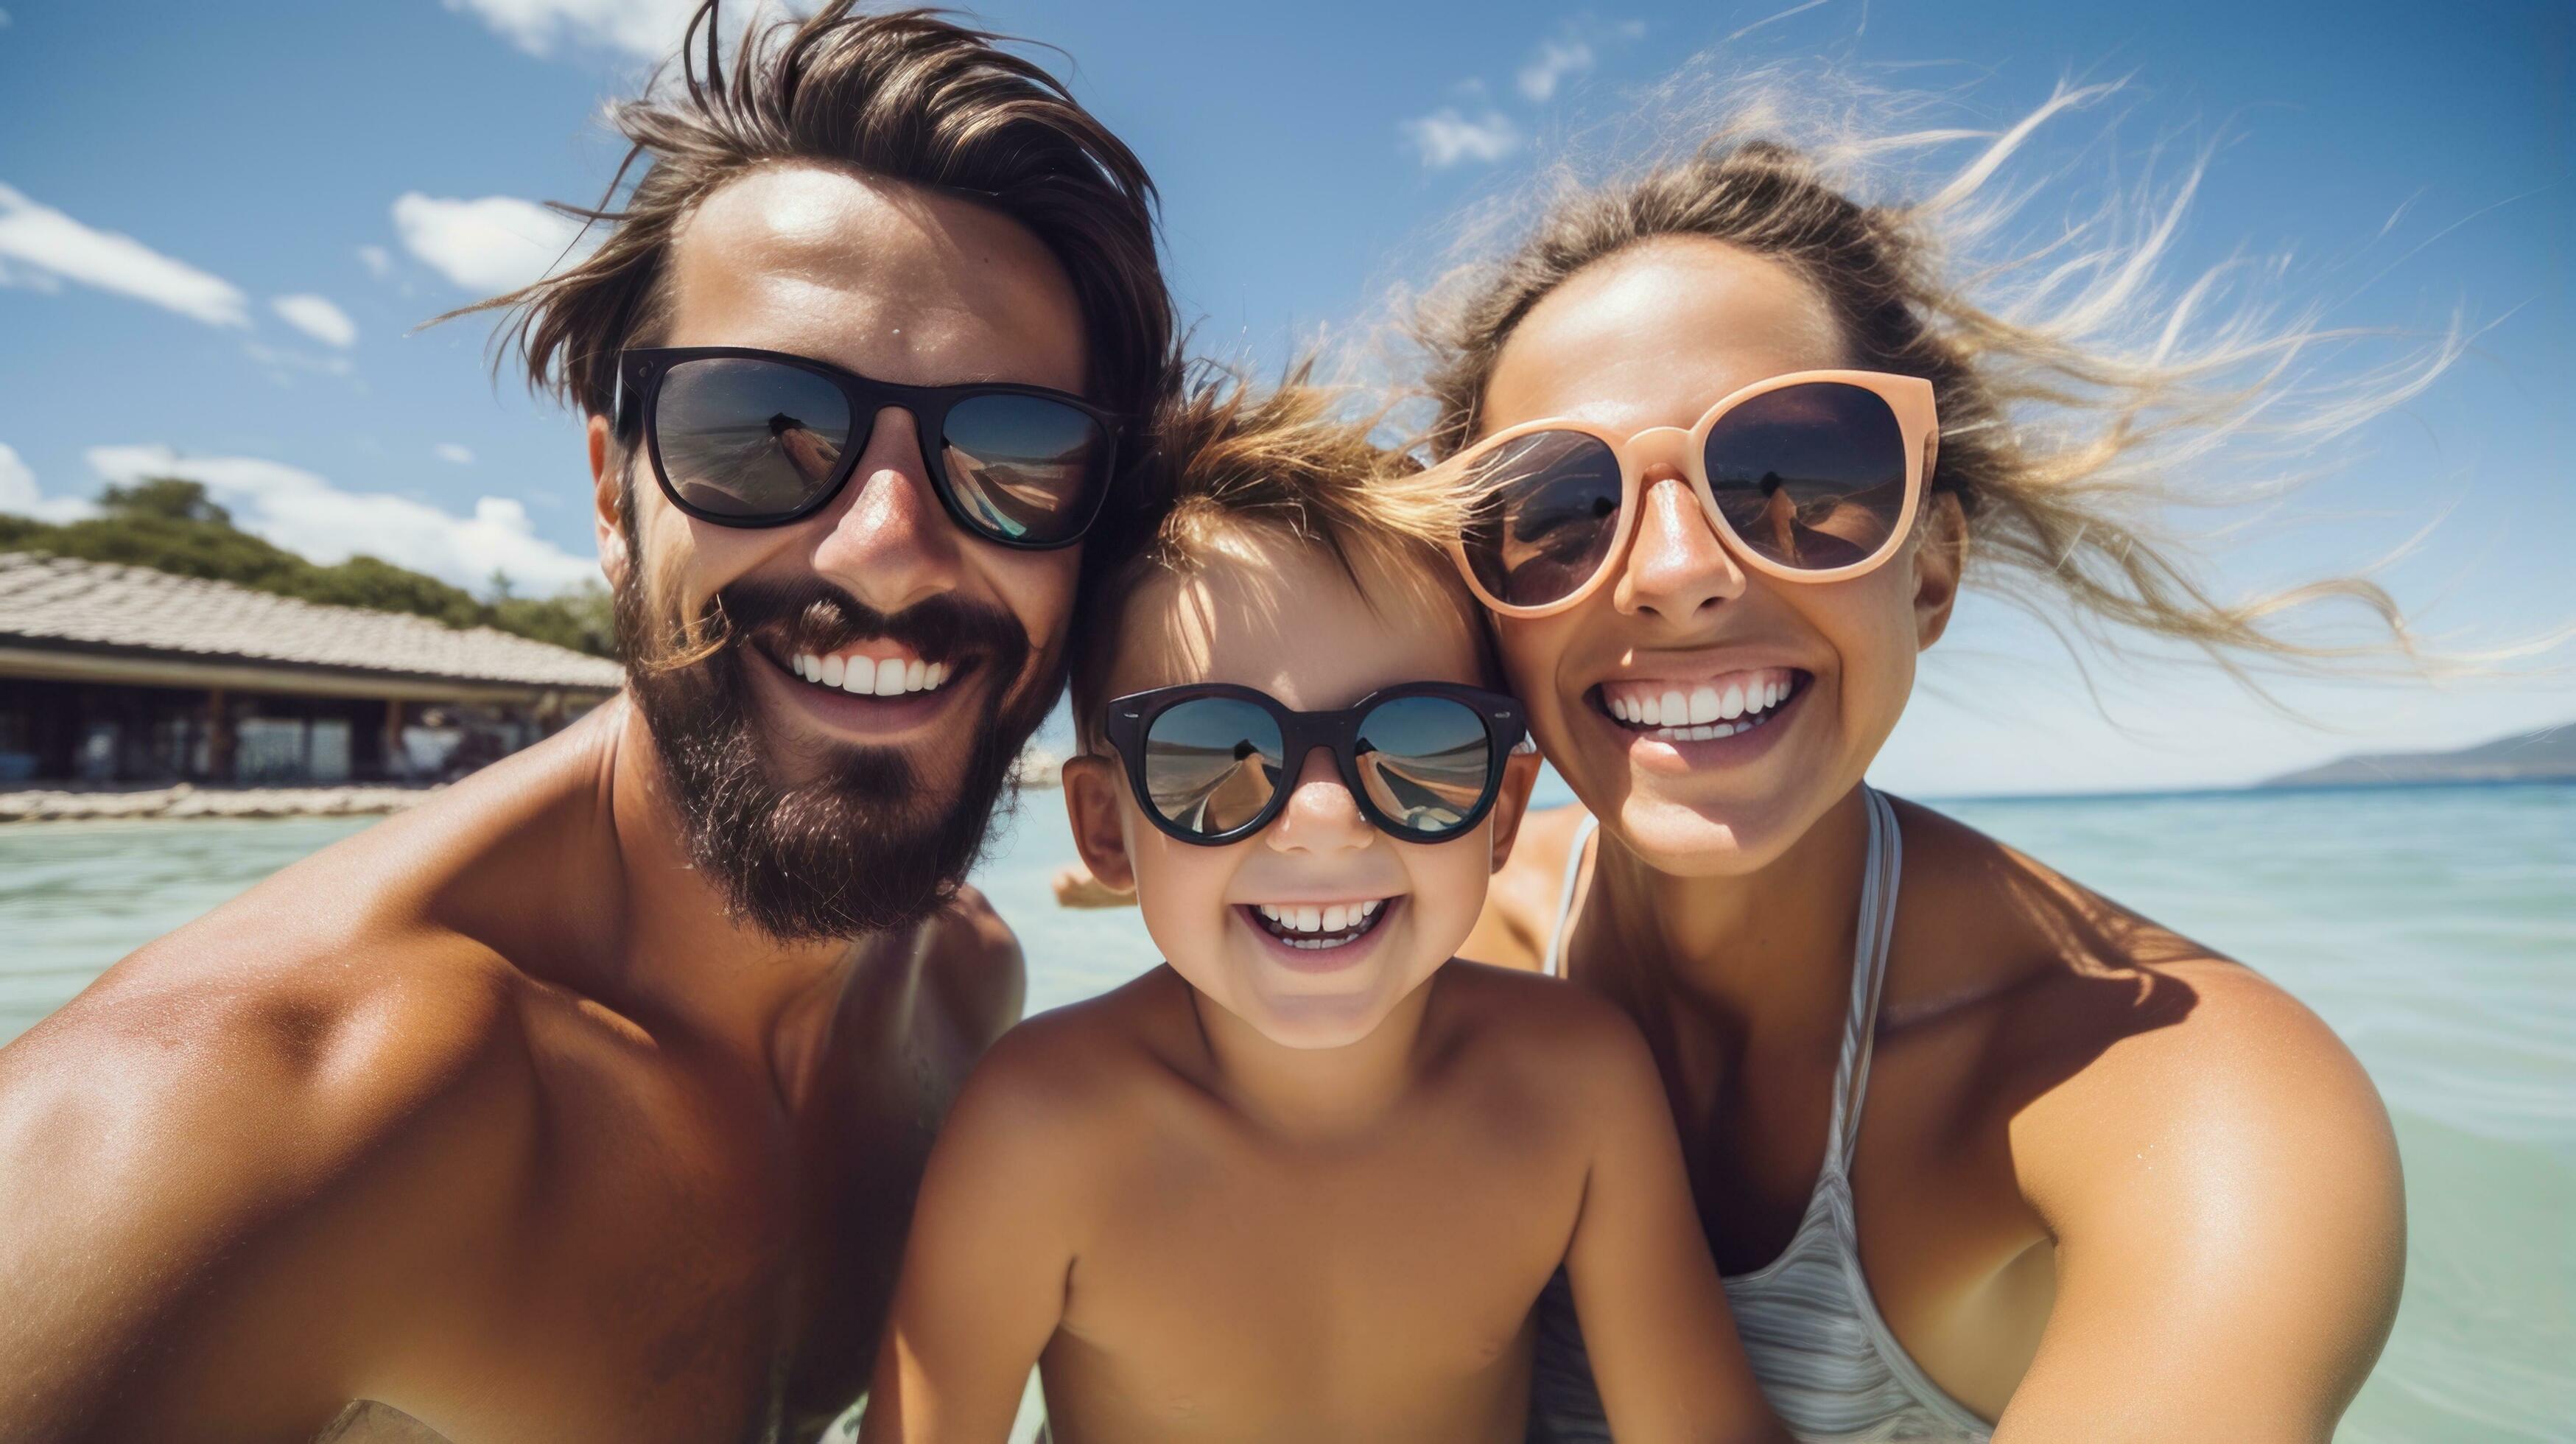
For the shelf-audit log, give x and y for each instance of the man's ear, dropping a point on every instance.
(608, 503)
(1511, 804)
(1093, 788)
(1939, 558)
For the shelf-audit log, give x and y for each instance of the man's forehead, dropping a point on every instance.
(890, 280)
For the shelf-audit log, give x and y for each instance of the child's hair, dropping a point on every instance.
(1289, 460)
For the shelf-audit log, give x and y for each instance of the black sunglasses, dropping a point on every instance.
(1213, 763)
(751, 438)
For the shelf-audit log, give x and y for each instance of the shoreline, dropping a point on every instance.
(186, 802)
(1037, 769)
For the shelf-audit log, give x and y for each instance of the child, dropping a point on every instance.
(1306, 1180)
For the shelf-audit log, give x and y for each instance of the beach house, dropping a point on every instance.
(116, 674)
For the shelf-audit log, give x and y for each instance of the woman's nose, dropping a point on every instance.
(1321, 815)
(1676, 565)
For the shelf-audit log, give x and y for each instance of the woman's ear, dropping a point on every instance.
(1093, 790)
(1939, 557)
(1511, 803)
(608, 502)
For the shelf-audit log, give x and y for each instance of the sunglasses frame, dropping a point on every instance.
(641, 370)
(1908, 397)
(1131, 720)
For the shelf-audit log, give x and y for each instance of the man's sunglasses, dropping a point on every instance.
(1213, 763)
(1811, 477)
(751, 438)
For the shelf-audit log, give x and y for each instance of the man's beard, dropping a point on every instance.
(857, 845)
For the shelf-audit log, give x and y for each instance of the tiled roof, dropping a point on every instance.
(59, 600)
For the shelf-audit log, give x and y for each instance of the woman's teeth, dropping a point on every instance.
(869, 677)
(1310, 925)
(1703, 711)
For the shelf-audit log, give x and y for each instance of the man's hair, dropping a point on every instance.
(1288, 461)
(903, 96)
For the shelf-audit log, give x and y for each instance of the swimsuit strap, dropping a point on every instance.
(1565, 895)
(1877, 924)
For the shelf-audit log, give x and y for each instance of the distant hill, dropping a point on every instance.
(2546, 755)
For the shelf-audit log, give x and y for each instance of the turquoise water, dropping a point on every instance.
(2435, 928)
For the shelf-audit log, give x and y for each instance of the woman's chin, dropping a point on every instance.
(1697, 839)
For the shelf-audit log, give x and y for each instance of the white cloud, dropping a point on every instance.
(646, 29)
(306, 513)
(317, 318)
(19, 495)
(1445, 138)
(378, 261)
(450, 451)
(489, 245)
(1556, 62)
(54, 247)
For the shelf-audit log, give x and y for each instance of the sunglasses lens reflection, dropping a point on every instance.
(1425, 762)
(743, 439)
(1811, 476)
(1546, 508)
(1023, 468)
(1212, 764)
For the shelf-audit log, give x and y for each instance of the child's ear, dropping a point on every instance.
(1511, 804)
(1093, 787)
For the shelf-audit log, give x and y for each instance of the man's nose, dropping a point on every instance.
(1676, 565)
(1321, 815)
(886, 540)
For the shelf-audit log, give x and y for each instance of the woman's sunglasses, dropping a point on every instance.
(1811, 477)
(750, 438)
(1213, 763)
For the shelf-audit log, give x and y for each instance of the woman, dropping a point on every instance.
(1979, 1150)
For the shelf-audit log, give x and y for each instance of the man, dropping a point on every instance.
(588, 1100)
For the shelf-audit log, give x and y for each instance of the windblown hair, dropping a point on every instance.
(2076, 398)
(902, 96)
(1290, 460)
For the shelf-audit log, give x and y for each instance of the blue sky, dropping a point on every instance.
(221, 225)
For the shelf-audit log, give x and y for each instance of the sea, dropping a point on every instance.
(2433, 927)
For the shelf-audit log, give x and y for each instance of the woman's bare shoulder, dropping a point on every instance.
(1519, 916)
(2105, 1039)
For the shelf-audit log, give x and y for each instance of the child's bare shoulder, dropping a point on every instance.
(1575, 1043)
(1077, 1069)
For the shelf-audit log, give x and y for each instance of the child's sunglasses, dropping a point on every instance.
(1811, 477)
(750, 438)
(1213, 763)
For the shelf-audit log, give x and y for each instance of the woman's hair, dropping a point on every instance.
(2075, 397)
(1290, 460)
(903, 96)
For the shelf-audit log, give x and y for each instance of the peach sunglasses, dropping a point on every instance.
(1881, 421)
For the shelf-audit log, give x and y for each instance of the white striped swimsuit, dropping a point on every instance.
(1825, 1358)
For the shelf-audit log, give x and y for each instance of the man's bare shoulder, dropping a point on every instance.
(290, 1030)
(974, 964)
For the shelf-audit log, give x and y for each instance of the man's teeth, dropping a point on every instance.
(868, 677)
(1318, 926)
(1708, 710)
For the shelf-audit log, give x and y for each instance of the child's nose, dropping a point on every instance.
(1321, 815)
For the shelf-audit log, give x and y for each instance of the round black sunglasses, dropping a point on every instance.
(1213, 763)
(744, 437)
